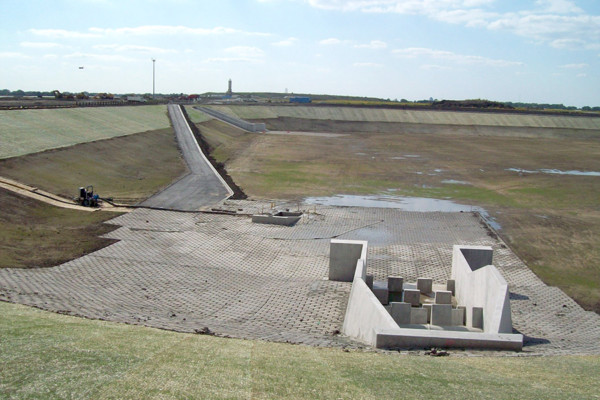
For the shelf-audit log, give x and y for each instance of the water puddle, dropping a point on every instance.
(422, 204)
(412, 155)
(554, 171)
(416, 204)
(455, 182)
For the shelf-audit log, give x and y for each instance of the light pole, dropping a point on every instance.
(153, 76)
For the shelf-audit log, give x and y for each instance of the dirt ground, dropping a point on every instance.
(35, 234)
(551, 221)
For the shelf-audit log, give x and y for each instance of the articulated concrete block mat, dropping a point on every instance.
(184, 272)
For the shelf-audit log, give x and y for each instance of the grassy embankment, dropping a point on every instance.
(128, 168)
(30, 131)
(551, 221)
(46, 355)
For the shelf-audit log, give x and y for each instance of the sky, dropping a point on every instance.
(544, 51)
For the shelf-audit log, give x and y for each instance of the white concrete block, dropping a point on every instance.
(395, 284)
(477, 317)
(425, 285)
(401, 313)
(412, 296)
(418, 316)
(443, 297)
(451, 286)
(458, 316)
(381, 292)
(369, 281)
(427, 308)
(441, 314)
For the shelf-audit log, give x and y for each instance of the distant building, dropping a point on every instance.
(136, 99)
(298, 99)
(229, 91)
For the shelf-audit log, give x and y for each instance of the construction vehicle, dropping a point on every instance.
(87, 198)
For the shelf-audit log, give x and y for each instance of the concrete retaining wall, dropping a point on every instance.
(364, 311)
(240, 123)
(399, 338)
(479, 284)
(286, 220)
(343, 258)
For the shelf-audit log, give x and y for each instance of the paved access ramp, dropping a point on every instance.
(202, 187)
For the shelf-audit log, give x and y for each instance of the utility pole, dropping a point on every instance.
(153, 75)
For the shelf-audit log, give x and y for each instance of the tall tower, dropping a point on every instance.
(229, 92)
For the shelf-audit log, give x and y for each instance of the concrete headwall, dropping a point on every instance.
(343, 256)
(240, 123)
(479, 284)
(365, 312)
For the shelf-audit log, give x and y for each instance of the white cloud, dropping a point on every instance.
(41, 45)
(434, 67)
(133, 48)
(575, 66)
(560, 23)
(581, 75)
(374, 44)
(145, 30)
(285, 43)
(330, 41)
(63, 34)
(245, 51)
(558, 6)
(10, 54)
(420, 52)
(99, 57)
(367, 65)
(239, 54)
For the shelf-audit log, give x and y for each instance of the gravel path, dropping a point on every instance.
(202, 187)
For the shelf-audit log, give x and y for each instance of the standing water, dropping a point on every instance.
(417, 204)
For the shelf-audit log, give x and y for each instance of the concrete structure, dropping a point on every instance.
(285, 218)
(367, 320)
(237, 122)
(443, 297)
(265, 282)
(451, 286)
(458, 316)
(441, 314)
(381, 292)
(344, 255)
(425, 285)
(412, 296)
(479, 284)
(395, 284)
(418, 316)
(401, 312)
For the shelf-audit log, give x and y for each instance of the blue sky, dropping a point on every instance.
(532, 51)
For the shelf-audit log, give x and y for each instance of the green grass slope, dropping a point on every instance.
(412, 116)
(51, 356)
(29, 131)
